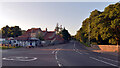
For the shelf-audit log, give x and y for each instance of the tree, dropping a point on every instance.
(23, 31)
(115, 30)
(40, 36)
(16, 31)
(11, 31)
(5, 31)
(65, 34)
(57, 28)
(104, 26)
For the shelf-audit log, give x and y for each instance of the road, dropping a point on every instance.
(72, 54)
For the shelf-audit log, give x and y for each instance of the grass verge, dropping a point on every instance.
(9, 47)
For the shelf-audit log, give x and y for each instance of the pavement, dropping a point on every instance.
(69, 55)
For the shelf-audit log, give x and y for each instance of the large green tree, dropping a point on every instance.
(102, 27)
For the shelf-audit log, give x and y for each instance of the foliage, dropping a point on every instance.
(11, 31)
(9, 47)
(40, 36)
(23, 31)
(104, 27)
(65, 34)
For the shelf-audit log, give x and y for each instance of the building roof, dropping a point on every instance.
(52, 35)
(22, 38)
(27, 34)
(33, 30)
(26, 38)
(49, 36)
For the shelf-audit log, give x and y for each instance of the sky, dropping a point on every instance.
(43, 15)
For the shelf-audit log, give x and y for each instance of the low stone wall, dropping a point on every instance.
(106, 48)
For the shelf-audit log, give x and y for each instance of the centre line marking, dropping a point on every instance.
(56, 51)
(104, 62)
(59, 65)
(53, 52)
(77, 50)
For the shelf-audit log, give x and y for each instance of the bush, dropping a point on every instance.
(9, 47)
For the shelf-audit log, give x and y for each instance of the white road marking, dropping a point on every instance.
(7, 59)
(78, 52)
(34, 58)
(20, 58)
(56, 57)
(59, 65)
(55, 52)
(108, 59)
(104, 62)
(74, 46)
(75, 49)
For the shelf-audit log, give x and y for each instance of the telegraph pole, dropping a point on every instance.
(89, 33)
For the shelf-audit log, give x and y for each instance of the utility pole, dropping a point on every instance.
(89, 33)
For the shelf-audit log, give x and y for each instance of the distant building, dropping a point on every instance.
(30, 38)
(53, 38)
(50, 37)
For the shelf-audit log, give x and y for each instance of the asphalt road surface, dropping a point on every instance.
(72, 54)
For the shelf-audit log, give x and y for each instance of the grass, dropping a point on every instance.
(9, 47)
